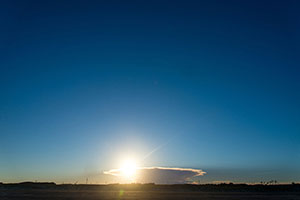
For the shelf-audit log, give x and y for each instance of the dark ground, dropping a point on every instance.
(148, 191)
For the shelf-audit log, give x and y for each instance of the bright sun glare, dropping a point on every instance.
(128, 169)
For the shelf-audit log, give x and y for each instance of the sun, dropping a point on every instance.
(128, 169)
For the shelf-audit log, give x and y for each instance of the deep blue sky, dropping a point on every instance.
(214, 84)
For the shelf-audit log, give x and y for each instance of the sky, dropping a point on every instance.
(201, 85)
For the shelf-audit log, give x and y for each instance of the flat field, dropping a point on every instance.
(167, 192)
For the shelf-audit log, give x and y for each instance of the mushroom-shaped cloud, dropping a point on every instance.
(161, 175)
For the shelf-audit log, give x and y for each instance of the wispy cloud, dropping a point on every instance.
(161, 175)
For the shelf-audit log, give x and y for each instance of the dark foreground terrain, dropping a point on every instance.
(148, 191)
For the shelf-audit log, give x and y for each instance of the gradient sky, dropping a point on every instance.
(211, 85)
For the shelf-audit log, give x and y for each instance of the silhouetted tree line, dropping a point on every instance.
(271, 182)
(269, 186)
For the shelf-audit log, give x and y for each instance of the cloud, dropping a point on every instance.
(161, 175)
